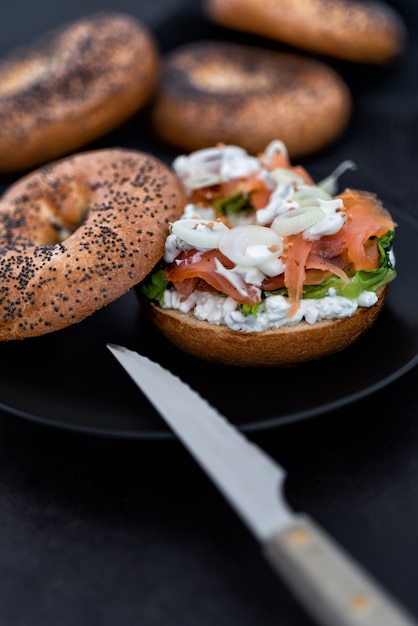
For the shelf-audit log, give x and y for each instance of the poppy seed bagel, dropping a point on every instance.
(77, 234)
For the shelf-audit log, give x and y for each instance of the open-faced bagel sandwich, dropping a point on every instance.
(266, 267)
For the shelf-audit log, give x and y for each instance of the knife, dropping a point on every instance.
(332, 587)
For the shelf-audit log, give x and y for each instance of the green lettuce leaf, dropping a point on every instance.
(154, 285)
(235, 202)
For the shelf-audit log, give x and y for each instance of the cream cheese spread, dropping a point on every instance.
(273, 311)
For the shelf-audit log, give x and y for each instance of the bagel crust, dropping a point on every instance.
(78, 233)
(357, 31)
(286, 346)
(220, 92)
(72, 86)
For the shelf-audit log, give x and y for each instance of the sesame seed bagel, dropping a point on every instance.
(357, 31)
(286, 346)
(77, 234)
(72, 86)
(220, 92)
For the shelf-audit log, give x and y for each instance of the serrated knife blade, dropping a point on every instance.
(333, 588)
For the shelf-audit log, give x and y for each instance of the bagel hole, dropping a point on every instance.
(216, 77)
(62, 233)
(64, 217)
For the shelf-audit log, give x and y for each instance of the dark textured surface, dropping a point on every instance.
(103, 532)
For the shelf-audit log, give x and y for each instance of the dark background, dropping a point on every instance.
(103, 531)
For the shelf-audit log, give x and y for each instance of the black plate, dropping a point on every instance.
(70, 380)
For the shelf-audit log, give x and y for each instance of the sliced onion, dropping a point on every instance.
(274, 147)
(213, 156)
(211, 166)
(307, 194)
(199, 233)
(203, 178)
(284, 176)
(298, 220)
(250, 245)
(205, 155)
(329, 184)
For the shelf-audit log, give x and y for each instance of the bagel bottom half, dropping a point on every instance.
(285, 346)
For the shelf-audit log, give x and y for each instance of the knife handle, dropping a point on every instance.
(331, 586)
